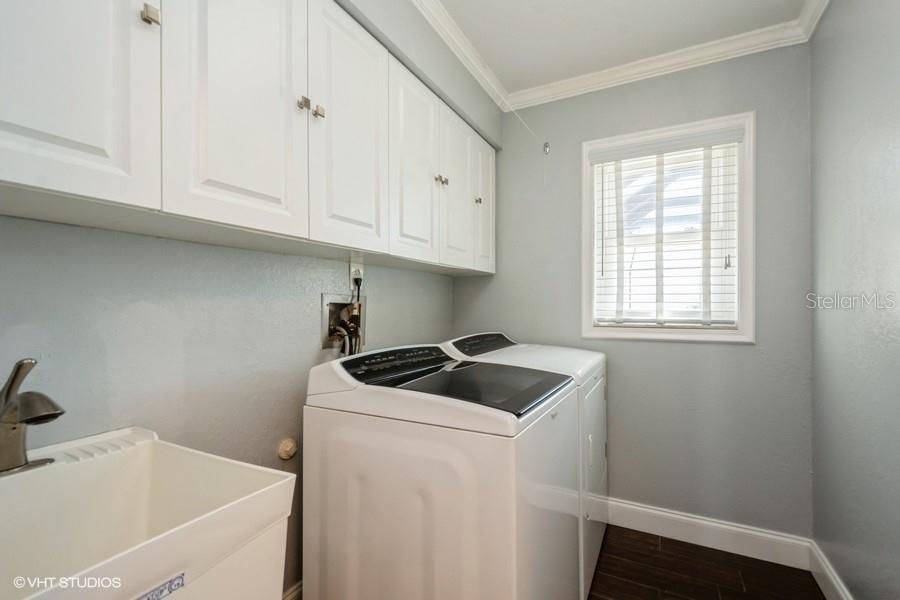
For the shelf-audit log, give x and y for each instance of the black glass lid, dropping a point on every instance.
(512, 389)
(428, 369)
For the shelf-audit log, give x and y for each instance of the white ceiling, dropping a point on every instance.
(525, 51)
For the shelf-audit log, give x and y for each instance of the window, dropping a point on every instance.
(668, 228)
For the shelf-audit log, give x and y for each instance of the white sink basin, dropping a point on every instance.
(152, 514)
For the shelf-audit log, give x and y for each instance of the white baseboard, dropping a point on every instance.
(827, 578)
(764, 544)
(293, 592)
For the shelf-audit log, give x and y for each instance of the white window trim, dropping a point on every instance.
(745, 333)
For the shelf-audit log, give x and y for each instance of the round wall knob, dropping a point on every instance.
(287, 448)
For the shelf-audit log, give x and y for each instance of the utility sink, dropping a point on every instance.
(126, 515)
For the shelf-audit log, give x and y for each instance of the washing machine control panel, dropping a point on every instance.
(395, 363)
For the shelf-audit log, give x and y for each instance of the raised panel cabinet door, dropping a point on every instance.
(484, 206)
(234, 135)
(414, 166)
(79, 99)
(457, 197)
(348, 133)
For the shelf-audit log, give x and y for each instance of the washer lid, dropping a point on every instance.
(422, 384)
(428, 370)
(515, 390)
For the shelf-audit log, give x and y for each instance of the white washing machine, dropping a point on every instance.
(428, 477)
(588, 369)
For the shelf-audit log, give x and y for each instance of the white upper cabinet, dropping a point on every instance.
(278, 117)
(441, 180)
(348, 134)
(234, 137)
(79, 99)
(414, 166)
(457, 247)
(484, 178)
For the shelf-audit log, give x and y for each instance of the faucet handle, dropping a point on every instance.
(19, 372)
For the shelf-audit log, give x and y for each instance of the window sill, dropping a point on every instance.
(721, 336)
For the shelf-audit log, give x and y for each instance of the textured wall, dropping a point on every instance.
(856, 208)
(208, 346)
(716, 430)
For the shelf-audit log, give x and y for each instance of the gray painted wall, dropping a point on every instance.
(717, 430)
(856, 179)
(208, 346)
(400, 26)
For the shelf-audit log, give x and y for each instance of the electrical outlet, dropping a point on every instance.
(356, 271)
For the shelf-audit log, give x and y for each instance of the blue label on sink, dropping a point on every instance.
(164, 589)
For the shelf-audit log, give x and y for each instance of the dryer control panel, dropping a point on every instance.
(482, 343)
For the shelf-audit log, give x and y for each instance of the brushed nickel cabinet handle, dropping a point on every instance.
(478, 200)
(319, 111)
(303, 103)
(150, 15)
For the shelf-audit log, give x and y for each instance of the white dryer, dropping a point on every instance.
(588, 369)
(428, 477)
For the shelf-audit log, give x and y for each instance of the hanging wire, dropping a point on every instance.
(545, 145)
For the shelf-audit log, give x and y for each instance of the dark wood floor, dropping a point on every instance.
(640, 566)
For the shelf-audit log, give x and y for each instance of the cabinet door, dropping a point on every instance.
(414, 152)
(484, 206)
(348, 136)
(234, 138)
(79, 99)
(457, 198)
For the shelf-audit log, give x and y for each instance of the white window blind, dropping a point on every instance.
(666, 238)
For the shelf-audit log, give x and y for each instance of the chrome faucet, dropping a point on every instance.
(17, 412)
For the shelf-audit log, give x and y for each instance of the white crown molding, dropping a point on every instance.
(810, 15)
(789, 33)
(446, 27)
